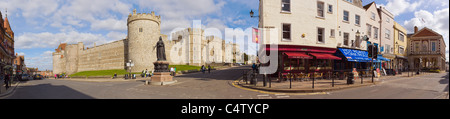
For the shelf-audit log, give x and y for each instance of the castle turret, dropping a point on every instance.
(143, 33)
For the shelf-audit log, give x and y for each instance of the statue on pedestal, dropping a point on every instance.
(161, 75)
(160, 50)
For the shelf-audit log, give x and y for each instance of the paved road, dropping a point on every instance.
(191, 86)
(217, 86)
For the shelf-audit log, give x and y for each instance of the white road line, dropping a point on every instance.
(286, 96)
(262, 95)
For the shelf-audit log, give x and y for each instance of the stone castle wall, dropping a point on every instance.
(104, 57)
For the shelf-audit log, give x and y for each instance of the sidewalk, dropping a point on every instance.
(320, 85)
(4, 92)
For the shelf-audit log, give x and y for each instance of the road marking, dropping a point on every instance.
(286, 96)
(266, 92)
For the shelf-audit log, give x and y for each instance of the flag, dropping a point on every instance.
(256, 35)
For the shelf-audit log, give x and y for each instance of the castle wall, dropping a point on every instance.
(58, 63)
(104, 57)
(71, 57)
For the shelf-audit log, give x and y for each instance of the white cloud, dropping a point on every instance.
(437, 21)
(43, 61)
(398, 7)
(116, 35)
(52, 40)
(110, 24)
(180, 13)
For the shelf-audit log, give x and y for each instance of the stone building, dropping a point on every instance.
(400, 45)
(426, 50)
(7, 54)
(387, 37)
(187, 47)
(191, 47)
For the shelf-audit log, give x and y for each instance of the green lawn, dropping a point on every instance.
(103, 73)
(184, 67)
(123, 72)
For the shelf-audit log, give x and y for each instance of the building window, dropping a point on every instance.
(320, 9)
(369, 30)
(332, 34)
(417, 47)
(388, 34)
(346, 37)
(330, 9)
(401, 37)
(433, 46)
(373, 16)
(401, 50)
(286, 5)
(140, 30)
(346, 16)
(388, 48)
(287, 32)
(320, 35)
(351, 1)
(375, 32)
(388, 20)
(357, 20)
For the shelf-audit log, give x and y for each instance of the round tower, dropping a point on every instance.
(143, 33)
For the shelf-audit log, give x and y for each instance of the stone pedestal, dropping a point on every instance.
(161, 75)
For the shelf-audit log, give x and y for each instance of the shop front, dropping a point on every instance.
(354, 60)
(303, 62)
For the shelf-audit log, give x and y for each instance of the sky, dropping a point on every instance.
(41, 25)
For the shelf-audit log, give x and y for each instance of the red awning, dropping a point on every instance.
(298, 55)
(325, 56)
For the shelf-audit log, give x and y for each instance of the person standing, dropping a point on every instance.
(172, 70)
(209, 69)
(203, 69)
(175, 71)
(146, 73)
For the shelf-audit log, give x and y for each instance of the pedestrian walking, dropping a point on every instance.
(209, 69)
(143, 74)
(6, 80)
(254, 67)
(55, 76)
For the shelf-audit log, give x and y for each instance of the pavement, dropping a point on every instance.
(319, 85)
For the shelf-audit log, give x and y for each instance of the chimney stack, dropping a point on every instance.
(415, 29)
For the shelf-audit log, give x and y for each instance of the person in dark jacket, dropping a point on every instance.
(209, 69)
(203, 69)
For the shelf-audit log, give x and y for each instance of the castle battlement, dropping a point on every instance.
(144, 16)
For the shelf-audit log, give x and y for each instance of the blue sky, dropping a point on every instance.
(40, 25)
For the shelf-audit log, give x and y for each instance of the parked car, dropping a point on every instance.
(26, 77)
(37, 77)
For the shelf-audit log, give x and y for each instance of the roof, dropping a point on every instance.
(61, 47)
(425, 32)
(368, 5)
(8, 27)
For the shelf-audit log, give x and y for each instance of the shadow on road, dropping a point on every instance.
(444, 80)
(227, 74)
(47, 91)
